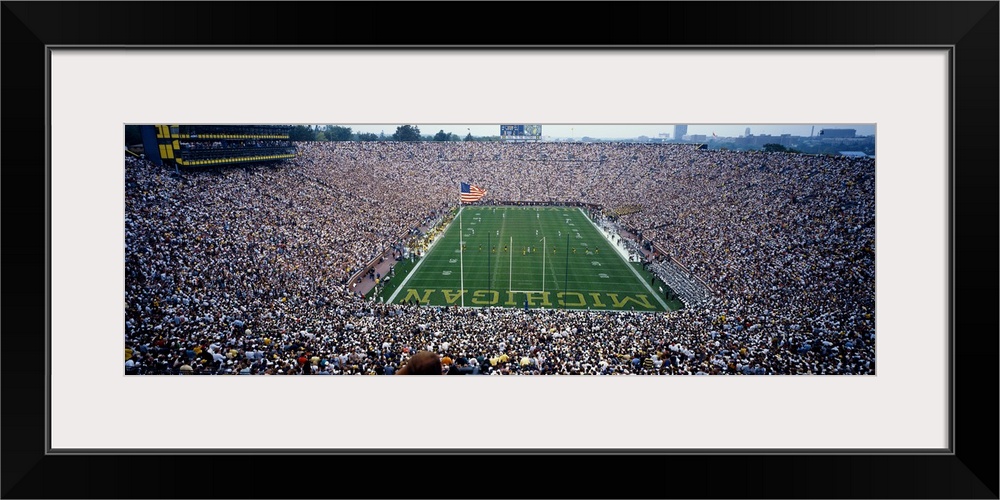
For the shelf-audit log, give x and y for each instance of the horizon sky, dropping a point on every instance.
(614, 131)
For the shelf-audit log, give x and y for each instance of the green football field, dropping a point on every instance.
(549, 257)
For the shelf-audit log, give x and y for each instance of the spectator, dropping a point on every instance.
(422, 363)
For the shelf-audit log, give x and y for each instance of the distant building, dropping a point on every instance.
(837, 133)
(747, 134)
(680, 131)
(698, 137)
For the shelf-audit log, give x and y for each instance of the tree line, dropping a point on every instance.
(409, 133)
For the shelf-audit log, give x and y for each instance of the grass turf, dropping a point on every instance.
(576, 267)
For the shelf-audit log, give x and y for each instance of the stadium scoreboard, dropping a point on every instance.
(521, 132)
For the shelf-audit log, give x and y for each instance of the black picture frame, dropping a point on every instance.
(970, 28)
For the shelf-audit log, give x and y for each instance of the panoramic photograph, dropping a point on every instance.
(499, 249)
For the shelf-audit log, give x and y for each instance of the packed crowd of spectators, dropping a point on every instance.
(246, 270)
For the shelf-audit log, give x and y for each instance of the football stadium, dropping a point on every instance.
(257, 250)
(535, 256)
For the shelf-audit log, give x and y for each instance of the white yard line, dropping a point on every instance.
(502, 233)
(414, 270)
(627, 263)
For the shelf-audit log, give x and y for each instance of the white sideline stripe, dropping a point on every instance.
(629, 265)
(414, 270)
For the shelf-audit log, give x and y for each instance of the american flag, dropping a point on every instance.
(471, 193)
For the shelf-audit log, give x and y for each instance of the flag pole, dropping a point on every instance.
(461, 260)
